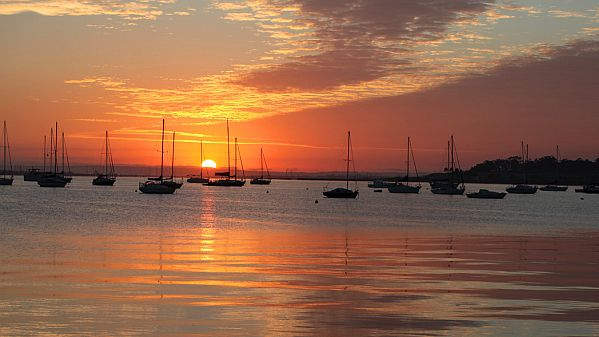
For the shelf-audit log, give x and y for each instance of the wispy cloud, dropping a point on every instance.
(128, 9)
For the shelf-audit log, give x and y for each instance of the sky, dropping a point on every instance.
(293, 76)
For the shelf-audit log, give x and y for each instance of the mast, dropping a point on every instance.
(557, 164)
(4, 147)
(106, 159)
(201, 158)
(235, 158)
(162, 153)
(261, 164)
(63, 171)
(51, 159)
(228, 151)
(524, 162)
(173, 159)
(44, 153)
(408, 163)
(56, 149)
(347, 166)
(447, 156)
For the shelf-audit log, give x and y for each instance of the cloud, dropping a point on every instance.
(349, 41)
(128, 9)
(547, 97)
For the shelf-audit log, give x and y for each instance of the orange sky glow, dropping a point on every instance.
(293, 76)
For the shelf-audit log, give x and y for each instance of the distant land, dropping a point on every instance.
(500, 171)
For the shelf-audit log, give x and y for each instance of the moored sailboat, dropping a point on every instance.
(108, 177)
(261, 180)
(453, 186)
(555, 187)
(55, 178)
(7, 175)
(340, 192)
(406, 187)
(199, 179)
(226, 179)
(171, 181)
(523, 188)
(156, 185)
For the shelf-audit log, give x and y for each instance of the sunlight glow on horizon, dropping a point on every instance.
(209, 163)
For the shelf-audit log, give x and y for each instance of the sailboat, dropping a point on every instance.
(171, 181)
(155, 185)
(406, 188)
(55, 178)
(7, 176)
(34, 174)
(261, 180)
(341, 192)
(452, 186)
(225, 177)
(108, 178)
(556, 187)
(523, 188)
(199, 179)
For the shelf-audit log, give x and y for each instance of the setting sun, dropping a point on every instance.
(209, 163)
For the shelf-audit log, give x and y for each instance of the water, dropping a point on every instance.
(269, 260)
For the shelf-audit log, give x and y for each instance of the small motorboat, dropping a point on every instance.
(554, 188)
(486, 194)
(522, 189)
(589, 189)
(32, 174)
(380, 184)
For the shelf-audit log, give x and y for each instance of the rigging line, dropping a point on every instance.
(353, 163)
(414, 162)
(457, 158)
(241, 161)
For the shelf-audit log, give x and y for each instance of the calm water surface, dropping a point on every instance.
(268, 260)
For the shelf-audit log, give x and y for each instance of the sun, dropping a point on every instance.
(209, 163)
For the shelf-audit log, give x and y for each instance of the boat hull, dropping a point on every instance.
(103, 181)
(449, 189)
(156, 188)
(197, 180)
(553, 188)
(522, 189)
(590, 189)
(401, 188)
(32, 175)
(6, 181)
(260, 181)
(485, 194)
(53, 181)
(226, 183)
(172, 183)
(341, 193)
(380, 184)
